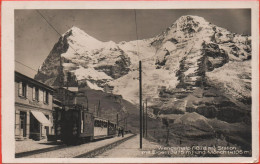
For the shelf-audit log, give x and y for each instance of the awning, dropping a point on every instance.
(41, 118)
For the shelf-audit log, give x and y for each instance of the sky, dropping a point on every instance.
(34, 37)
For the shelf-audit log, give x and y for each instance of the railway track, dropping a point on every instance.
(88, 154)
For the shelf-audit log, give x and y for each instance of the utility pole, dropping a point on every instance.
(87, 102)
(140, 87)
(146, 120)
(68, 79)
(167, 136)
(117, 120)
(61, 74)
(143, 121)
(67, 87)
(61, 78)
(98, 110)
(126, 124)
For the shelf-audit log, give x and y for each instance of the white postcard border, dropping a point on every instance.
(8, 110)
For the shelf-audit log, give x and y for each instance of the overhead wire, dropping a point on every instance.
(48, 22)
(54, 29)
(26, 66)
(42, 16)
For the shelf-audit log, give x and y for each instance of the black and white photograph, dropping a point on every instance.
(133, 83)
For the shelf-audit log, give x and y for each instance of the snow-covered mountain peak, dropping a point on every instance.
(180, 57)
(79, 42)
(184, 29)
(190, 19)
(75, 31)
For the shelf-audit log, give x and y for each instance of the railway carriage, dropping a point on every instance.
(77, 125)
(112, 128)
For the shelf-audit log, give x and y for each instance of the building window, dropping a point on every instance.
(46, 97)
(22, 89)
(37, 94)
(33, 93)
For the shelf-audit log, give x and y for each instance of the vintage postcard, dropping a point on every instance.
(130, 82)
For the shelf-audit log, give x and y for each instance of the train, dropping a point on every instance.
(74, 124)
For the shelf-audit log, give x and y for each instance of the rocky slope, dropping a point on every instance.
(192, 66)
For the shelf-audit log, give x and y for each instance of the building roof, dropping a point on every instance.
(72, 89)
(32, 81)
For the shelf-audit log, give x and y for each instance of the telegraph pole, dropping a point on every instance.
(117, 119)
(126, 124)
(98, 110)
(140, 87)
(146, 120)
(87, 102)
(143, 122)
(67, 87)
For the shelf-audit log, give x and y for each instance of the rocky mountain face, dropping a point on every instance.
(193, 66)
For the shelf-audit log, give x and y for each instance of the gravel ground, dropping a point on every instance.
(131, 148)
(73, 151)
(29, 145)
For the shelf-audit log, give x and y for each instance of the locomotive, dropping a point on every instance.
(76, 125)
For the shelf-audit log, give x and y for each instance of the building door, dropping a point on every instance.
(47, 127)
(47, 130)
(23, 123)
(35, 127)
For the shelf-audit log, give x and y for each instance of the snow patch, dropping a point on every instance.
(90, 73)
(93, 86)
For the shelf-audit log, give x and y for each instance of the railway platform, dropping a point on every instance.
(58, 150)
(31, 145)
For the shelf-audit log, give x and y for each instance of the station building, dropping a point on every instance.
(33, 108)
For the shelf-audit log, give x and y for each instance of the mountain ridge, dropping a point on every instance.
(176, 64)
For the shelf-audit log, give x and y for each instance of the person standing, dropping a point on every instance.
(119, 131)
(122, 131)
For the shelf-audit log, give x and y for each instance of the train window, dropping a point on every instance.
(59, 115)
(82, 122)
(96, 123)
